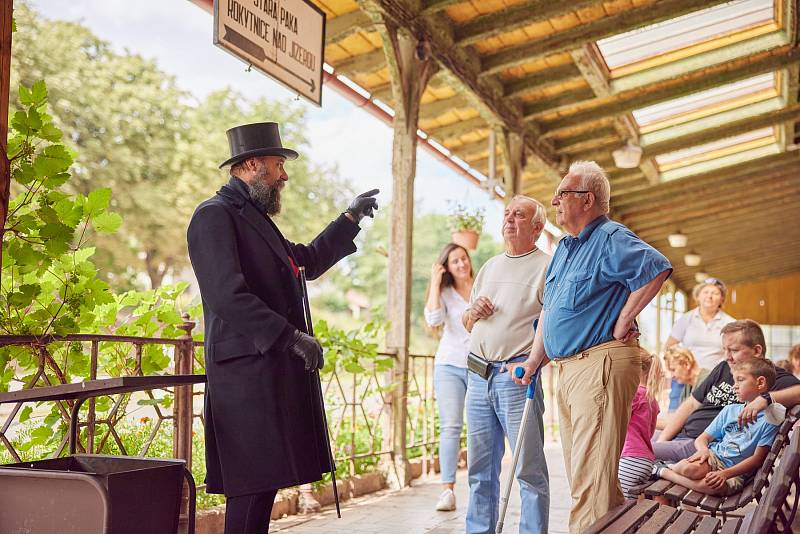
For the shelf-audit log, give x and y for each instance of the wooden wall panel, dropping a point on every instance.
(771, 301)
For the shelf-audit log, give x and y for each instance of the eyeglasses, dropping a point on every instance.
(711, 281)
(560, 194)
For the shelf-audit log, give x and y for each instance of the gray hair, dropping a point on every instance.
(594, 179)
(540, 216)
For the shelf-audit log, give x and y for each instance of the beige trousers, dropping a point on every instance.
(595, 391)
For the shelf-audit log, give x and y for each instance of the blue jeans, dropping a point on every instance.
(675, 392)
(494, 411)
(450, 385)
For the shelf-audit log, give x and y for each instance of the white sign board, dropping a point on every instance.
(284, 39)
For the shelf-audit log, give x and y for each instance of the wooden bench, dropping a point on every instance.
(680, 496)
(774, 514)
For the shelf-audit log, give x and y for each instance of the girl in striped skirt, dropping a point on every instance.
(636, 460)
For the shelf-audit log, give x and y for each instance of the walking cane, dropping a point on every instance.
(310, 328)
(519, 372)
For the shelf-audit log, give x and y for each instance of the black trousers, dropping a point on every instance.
(249, 514)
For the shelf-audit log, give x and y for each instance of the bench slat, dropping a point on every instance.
(659, 520)
(708, 525)
(731, 502)
(683, 524)
(632, 518)
(676, 492)
(610, 517)
(747, 495)
(711, 503)
(731, 526)
(658, 488)
(694, 498)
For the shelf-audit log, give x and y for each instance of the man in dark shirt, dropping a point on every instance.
(741, 341)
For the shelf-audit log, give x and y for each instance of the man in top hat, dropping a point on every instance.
(263, 422)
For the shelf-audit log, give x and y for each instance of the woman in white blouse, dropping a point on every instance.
(699, 329)
(447, 299)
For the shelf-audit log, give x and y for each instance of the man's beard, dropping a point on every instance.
(268, 196)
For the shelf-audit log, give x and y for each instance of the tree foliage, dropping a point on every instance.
(50, 284)
(134, 131)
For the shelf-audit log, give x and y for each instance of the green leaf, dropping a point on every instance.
(51, 162)
(107, 223)
(25, 414)
(24, 296)
(98, 200)
(41, 434)
(25, 96)
(50, 132)
(169, 316)
(39, 91)
(19, 122)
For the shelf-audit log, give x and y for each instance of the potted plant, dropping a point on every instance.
(466, 225)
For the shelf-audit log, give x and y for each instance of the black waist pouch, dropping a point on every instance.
(479, 366)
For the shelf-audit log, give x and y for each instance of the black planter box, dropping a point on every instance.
(91, 494)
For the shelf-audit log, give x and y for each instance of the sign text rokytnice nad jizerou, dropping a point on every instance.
(285, 39)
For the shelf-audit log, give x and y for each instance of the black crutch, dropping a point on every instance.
(310, 328)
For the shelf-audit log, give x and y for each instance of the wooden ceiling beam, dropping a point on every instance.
(757, 265)
(719, 237)
(536, 109)
(469, 150)
(430, 7)
(457, 129)
(785, 161)
(747, 124)
(733, 276)
(513, 18)
(463, 67)
(693, 82)
(437, 108)
(576, 143)
(541, 80)
(713, 206)
(581, 34)
(365, 63)
(383, 92)
(341, 27)
(743, 216)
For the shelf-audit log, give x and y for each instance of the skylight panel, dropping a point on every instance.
(708, 102)
(717, 149)
(686, 31)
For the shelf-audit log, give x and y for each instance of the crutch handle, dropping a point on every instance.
(519, 372)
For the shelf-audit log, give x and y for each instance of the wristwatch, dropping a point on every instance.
(766, 396)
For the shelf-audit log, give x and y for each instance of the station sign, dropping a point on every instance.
(284, 39)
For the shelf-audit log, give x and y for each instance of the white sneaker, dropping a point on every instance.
(447, 501)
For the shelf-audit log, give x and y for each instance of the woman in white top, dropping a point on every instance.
(699, 329)
(447, 299)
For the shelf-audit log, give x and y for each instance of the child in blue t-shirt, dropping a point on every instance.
(727, 451)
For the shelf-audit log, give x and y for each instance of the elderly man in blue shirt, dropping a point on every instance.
(601, 276)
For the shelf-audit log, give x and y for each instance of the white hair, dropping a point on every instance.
(540, 216)
(594, 179)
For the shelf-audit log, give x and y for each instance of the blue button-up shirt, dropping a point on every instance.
(588, 282)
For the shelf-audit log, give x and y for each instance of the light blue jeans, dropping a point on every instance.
(450, 385)
(494, 411)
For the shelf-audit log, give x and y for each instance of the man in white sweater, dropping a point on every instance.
(506, 298)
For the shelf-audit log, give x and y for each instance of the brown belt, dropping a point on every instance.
(597, 348)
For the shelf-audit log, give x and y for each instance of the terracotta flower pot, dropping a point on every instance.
(466, 238)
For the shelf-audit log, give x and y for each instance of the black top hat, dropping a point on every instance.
(259, 139)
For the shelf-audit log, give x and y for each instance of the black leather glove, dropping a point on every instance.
(308, 349)
(363, 205)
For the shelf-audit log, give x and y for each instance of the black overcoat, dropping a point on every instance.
(263, 424)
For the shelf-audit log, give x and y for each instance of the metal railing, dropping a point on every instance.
(357, 402)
